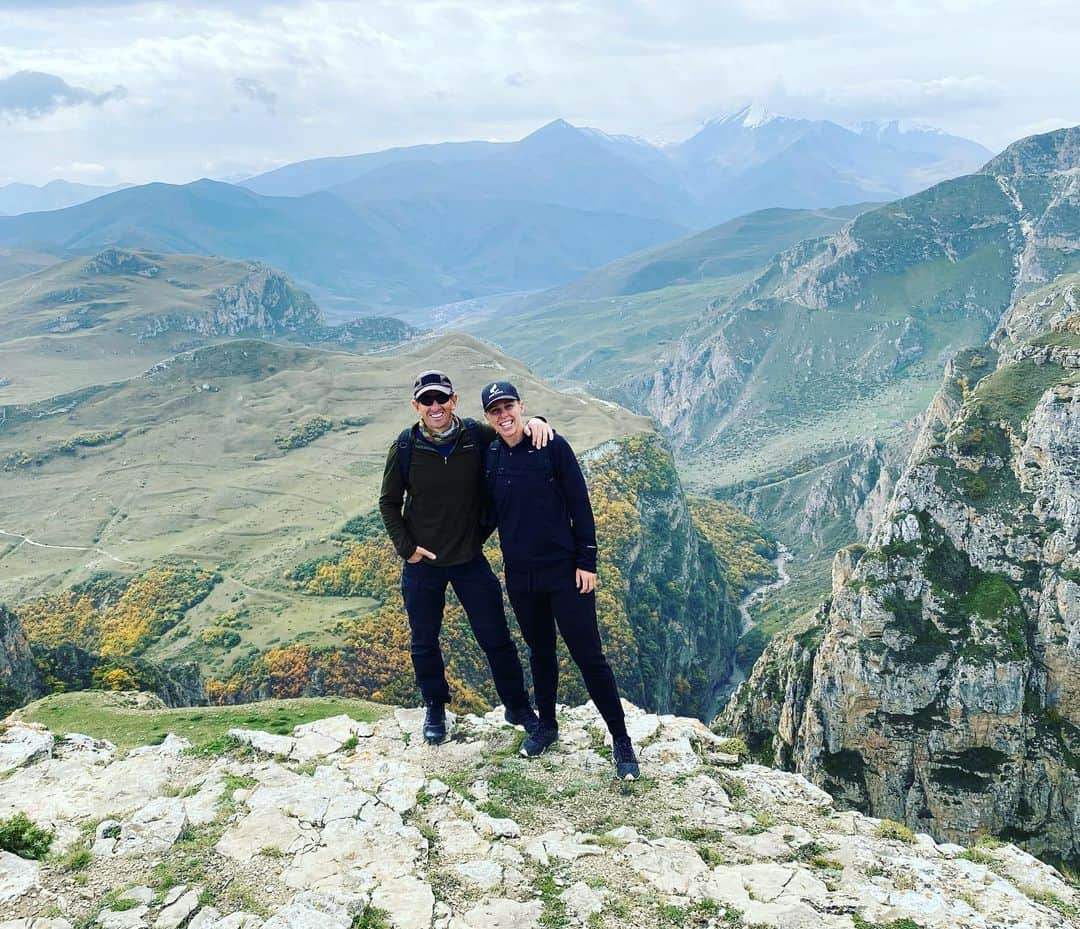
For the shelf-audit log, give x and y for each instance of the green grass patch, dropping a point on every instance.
(705, 913)
(512, 785)
(77, 859)
(1011, 392)
(1051, 900)
(372, 918)
(554, 914)
(101, 716)
(980, 856)
(861, 923)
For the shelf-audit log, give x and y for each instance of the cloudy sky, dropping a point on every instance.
(101, 92)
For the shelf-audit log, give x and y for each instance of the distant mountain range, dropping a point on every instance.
(369, 256)
(435, 224)
(56, 195)
(747, 161)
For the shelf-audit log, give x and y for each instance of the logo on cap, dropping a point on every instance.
(498, 390)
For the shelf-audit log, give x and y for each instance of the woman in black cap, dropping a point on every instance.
(550, 566)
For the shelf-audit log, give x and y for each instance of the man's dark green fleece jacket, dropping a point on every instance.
(445, 499)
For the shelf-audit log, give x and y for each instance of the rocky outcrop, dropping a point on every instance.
(121, 261)
(943, 688)
(668, 578)
(20, 680)
(264, 302)
(343, 824)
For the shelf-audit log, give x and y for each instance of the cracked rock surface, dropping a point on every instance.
(347, 824)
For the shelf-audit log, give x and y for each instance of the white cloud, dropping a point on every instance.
(245, 83)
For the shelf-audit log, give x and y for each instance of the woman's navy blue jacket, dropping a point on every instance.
(540, 505)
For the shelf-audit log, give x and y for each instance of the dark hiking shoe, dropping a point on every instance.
(435, 723)
(626, 763)
(524, 716)
(540, 740)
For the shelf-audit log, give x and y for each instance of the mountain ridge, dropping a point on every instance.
(913, 151)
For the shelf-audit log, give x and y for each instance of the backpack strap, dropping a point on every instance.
(404, 455)
(472, 430)
(492, 455)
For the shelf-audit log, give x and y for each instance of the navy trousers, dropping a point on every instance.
(542, 600)
(423, 587)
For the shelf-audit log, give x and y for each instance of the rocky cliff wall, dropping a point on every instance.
(671, 584)
(939, 684)
(20, 681)
(265, 301)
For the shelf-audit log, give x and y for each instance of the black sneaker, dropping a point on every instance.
(626, 763)
(540, 739)
(524, 716)
(435, 723)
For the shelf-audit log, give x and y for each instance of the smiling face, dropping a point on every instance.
(438, 414)
(508, 418)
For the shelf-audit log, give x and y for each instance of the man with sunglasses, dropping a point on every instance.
(431, 504)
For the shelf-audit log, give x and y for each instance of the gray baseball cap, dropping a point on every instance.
(432, 380)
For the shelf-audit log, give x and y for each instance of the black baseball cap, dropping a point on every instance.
(498, 390)
(432, 380)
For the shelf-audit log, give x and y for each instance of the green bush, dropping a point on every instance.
(898, 832)
(304, 434)
(20, 836)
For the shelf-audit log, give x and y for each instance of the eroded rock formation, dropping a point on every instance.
(940, 686)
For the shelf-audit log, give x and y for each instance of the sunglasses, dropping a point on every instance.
(430, 398)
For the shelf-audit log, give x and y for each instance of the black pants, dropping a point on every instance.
(423, 587)
(543, 599)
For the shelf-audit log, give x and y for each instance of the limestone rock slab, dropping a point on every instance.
(17, 876)
(22, 744)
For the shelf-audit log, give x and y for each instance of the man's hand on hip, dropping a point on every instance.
(585, 580)
(419, 555)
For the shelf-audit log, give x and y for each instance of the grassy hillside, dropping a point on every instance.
(15, 262)
(743, 244)
(183, 462)
(229, 465)
(94, 320)
(627, 316)
(666, 605)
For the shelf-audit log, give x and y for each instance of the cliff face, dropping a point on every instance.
(264, 301)
(940, 684)
(669, 580)
(20, 681)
